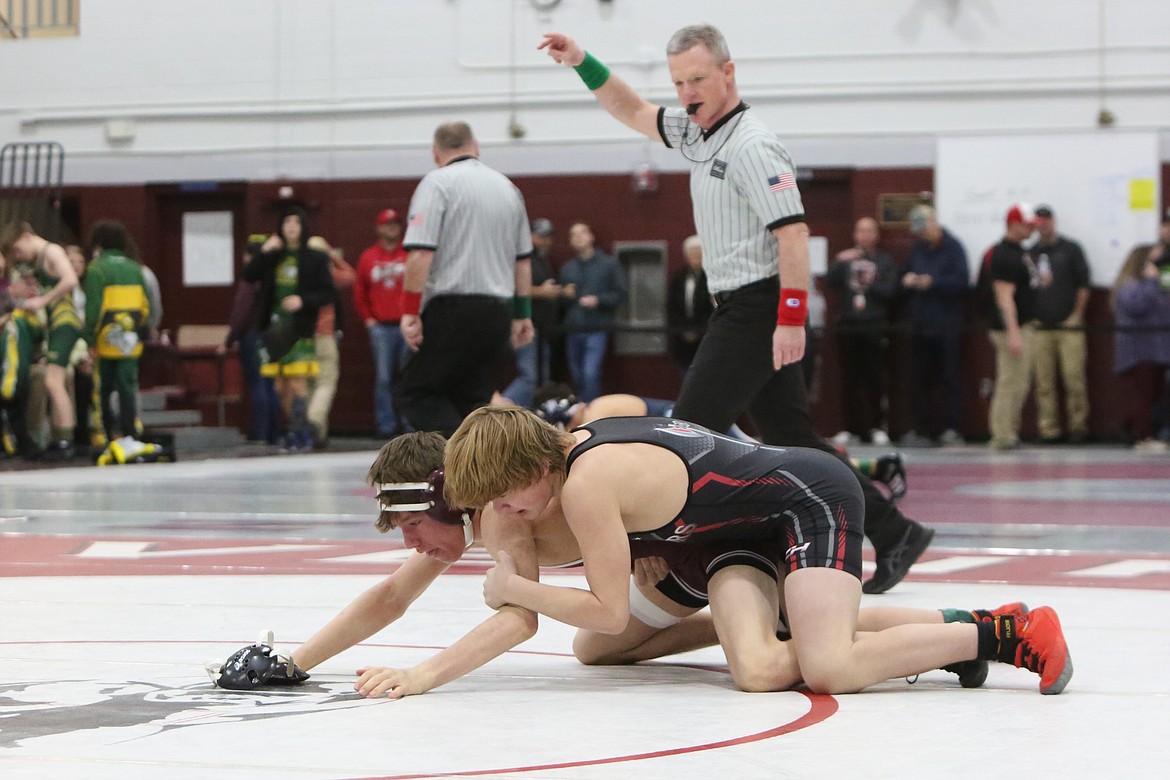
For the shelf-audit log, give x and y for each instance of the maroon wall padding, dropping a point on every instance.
(343, 212)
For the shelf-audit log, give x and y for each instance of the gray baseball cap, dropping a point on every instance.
(542, 227)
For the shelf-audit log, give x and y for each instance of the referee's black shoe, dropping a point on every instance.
(894, 562)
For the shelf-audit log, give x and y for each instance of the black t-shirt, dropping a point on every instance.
(1062, 271)
(1010, 262)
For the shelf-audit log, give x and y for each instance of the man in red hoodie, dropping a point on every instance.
(377, 294)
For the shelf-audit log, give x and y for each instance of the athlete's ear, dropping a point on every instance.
(729, 71)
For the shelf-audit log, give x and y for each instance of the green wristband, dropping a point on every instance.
(592, 72)
(521, 307)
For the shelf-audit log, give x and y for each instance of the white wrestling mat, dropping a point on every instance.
(112, 597)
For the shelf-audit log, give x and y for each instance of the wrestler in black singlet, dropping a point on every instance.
(745, 491)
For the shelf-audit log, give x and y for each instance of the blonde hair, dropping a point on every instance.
(410, 457)
(498, 449)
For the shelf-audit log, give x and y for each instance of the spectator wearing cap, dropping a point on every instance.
(531, 372)
(1014, 283)
(936, 281)
(377, 295)
(295, 282)
(1061, 298)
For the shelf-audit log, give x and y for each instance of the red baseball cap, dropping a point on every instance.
(389, 215)
(1021, 213)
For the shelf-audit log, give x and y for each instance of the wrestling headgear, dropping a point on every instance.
(254, 667)
(558, 411)
(421, 497)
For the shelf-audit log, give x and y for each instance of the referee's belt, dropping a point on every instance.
(772, 283)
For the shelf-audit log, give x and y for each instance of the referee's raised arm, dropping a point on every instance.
(614, 94)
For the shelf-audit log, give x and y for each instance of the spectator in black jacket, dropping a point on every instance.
(688, 305)
(866, 281)
(294, 284)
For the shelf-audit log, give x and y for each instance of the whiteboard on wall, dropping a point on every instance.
(1103, 188)
(207, 248)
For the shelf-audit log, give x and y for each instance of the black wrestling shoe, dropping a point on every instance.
(972, 674)
(890, 470)
(893, 563)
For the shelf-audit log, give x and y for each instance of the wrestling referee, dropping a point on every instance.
(750, 219)
(467, 285)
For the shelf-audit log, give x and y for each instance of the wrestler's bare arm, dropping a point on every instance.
(505, 629)
(370, 612)
(594, 515)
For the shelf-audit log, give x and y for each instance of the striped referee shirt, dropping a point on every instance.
(743, 185)
(474, 220)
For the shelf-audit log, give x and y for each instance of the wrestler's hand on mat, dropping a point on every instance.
(650, 571)
(375, 681)
(787, 345)
(495, 585)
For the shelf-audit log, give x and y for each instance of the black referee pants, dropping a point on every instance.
(732, 374)
(465, 338)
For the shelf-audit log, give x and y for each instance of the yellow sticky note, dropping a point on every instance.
(1141, 194)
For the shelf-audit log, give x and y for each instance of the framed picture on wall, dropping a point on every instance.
(893, 208)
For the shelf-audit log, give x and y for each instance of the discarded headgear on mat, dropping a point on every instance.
(254, 667)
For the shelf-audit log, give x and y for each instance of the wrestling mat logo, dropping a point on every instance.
(104, 712)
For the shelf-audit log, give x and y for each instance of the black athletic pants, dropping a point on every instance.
(465, 337)
(732, 374)
(862, 351)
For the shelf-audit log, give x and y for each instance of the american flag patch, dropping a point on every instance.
(415, 220)
(785, 181)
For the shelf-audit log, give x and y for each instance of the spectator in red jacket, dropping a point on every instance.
(377, 294)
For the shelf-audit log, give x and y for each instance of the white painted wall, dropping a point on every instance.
(257, 89)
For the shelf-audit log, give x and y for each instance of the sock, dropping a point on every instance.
(58, 433)
(958, 616)
(998, 639)
(988, 641)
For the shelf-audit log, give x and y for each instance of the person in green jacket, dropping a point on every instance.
(116, 312)
(20, 337)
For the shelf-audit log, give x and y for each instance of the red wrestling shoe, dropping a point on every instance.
(1036, 642)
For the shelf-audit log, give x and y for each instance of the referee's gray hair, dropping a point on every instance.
(689, 37)
(450, 136)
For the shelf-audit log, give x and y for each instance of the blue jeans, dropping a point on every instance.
(523, 387)
(586, 353)
(390, 353)
(265, 421)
